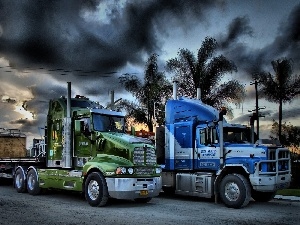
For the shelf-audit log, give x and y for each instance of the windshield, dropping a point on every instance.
(236, 135)
(107, 123)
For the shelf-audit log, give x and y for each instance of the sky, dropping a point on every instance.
(45, 44)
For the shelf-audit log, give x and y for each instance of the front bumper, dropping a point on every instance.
(270, 183)
(132, 188)
(272, 174)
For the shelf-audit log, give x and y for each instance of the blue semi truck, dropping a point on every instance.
(205, 156)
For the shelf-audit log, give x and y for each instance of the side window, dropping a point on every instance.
(85, 126)
(208, 136)
(214, 136)
(54, 132)
(202, 136)
(55, 129)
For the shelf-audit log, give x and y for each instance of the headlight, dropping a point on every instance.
(130, 170)
(124, 170)
(158, 170)
(121, 170)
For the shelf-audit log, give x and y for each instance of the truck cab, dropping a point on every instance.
(205, 156)
(87, 150)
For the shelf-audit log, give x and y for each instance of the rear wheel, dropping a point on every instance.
(262, 196)
(32, 183)
(235, 191)
(20, 181)
(96, 192)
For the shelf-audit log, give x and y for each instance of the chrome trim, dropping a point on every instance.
(129, 188)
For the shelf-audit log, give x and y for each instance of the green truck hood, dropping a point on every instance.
(106, 163)
(116, 151)
(125, 139)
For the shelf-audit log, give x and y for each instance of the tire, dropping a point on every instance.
(95, 188)
(235, 191)
(20, 181)
(33, 183)
(142, 200)
(262, 196)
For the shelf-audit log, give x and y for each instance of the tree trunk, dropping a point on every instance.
(150, 126)
(280, 121)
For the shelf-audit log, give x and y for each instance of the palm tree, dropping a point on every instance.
(281, 87)
(154, 90)
(206, 72)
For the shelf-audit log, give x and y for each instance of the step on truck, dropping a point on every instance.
(203, 155)
(85, 149)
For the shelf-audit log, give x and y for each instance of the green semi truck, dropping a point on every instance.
(86, 149)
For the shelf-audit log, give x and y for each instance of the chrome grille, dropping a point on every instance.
(143, 171)
(282, 158)
(144, 156)
(278, 162)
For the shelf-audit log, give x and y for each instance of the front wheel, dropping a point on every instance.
(96, 192)
(262, 196)
(32, 183)
(20, 181)
(235, 191)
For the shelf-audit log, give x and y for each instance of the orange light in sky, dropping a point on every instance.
(25, 114)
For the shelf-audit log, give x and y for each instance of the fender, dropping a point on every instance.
(35, 170)
(232, 165)
(106, 164)
(221, 173)
(24, 173)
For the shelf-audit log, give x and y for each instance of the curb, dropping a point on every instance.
(283, 197)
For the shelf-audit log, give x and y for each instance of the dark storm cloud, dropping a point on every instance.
(251, 61)
(288, 114)
(30, 126)
(59, 41)
(268, 115)
(247, 60)
(56, 34)
(54, 91)
(49, 33)
(288, 41)
(238, 27)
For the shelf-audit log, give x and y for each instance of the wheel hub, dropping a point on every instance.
(31, 182)
(19, 181)
(93, 190)
(232, 191)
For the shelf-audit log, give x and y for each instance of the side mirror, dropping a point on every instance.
(222, 112)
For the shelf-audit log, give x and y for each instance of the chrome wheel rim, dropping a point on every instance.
(93, 190)
(19, 181)
(232, 191)
(31, 182)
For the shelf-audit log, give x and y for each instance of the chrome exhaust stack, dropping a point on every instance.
(67, 153)
(175, 90)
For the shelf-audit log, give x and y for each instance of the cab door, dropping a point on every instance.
(82, 142)
(183, 154)
(207, 151)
